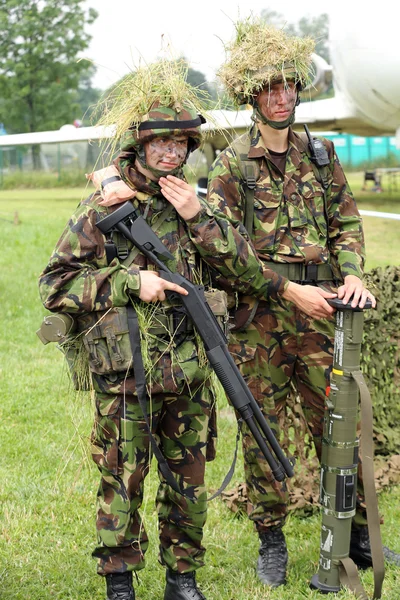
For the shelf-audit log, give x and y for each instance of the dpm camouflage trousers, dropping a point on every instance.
(283, 347)
(120, 448)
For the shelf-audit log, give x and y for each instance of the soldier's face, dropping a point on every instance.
(166, 153)
(277, 101)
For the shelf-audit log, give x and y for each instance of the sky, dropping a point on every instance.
(127, 31)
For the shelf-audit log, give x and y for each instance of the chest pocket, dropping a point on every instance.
(297, 214)
(267, 217)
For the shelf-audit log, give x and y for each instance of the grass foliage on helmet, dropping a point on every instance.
(155, 100)
(259, 55)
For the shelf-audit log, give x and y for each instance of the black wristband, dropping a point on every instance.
(109, 180)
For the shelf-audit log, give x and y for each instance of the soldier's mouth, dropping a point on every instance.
(168, 165)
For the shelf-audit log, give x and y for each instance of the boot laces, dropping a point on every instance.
(273, 550)
(119, 587)
(188, 581)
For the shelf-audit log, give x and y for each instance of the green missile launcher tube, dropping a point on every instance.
(339, 459)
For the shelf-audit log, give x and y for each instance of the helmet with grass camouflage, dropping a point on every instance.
(261, 55)
(155, 100)
(164, 121)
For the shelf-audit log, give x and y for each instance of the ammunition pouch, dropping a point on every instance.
(172, 324)
(105, 337)
(218, 302)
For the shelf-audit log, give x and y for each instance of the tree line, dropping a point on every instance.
(42, 82)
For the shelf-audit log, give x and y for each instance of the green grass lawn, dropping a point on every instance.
(49, 484)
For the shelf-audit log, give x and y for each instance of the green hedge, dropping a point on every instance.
(39, 179)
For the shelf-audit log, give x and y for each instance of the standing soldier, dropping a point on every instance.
(98, 280)
(307, 232)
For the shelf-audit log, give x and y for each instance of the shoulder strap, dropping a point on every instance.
(322, 174)
(250, 172)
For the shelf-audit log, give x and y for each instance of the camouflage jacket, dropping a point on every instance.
(79, 280)
(289, 216)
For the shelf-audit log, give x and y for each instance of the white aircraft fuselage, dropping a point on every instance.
(365, 59)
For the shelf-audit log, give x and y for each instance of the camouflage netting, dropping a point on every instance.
(380, 358)
(259, 54)
(380, 362)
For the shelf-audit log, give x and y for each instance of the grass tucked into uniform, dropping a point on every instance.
(48, 489)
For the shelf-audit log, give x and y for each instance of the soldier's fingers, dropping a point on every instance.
(326, 294)
(349, 291)
(178, 182)
(341, 291)
(373, 299)
(357, 295)
(366, 295)
(167, 184)
(174, 287)
(174, 193)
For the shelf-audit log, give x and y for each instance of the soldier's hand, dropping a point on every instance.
(112, 188)
(181, 195)
(153, 287)
(354, 288)
(310, 299)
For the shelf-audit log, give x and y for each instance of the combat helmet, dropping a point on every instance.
(260, 55)
(155, 101)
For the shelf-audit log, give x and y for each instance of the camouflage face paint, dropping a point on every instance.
(277, 101)
(166, 153)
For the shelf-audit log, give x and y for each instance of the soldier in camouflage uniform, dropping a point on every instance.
(82, 279)
(311, 250)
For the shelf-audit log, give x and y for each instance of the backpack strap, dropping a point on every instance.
(117, 248)
(321, 171)
(250, 172)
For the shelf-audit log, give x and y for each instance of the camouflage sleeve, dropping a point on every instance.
(224, 245)
(247, 273)
(77, 278)
(345, 224)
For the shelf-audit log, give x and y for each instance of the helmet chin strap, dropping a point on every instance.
(258, 116)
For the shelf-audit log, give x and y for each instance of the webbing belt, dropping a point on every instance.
(301, 271)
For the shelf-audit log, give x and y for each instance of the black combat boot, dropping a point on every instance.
(182, 586)
(271, 564)
(360, 549)
(119, 586)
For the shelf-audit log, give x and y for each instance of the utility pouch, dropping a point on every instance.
(218, 302)
(105, 336)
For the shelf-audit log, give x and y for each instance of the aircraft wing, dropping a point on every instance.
(335, 114)
(331, 114)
